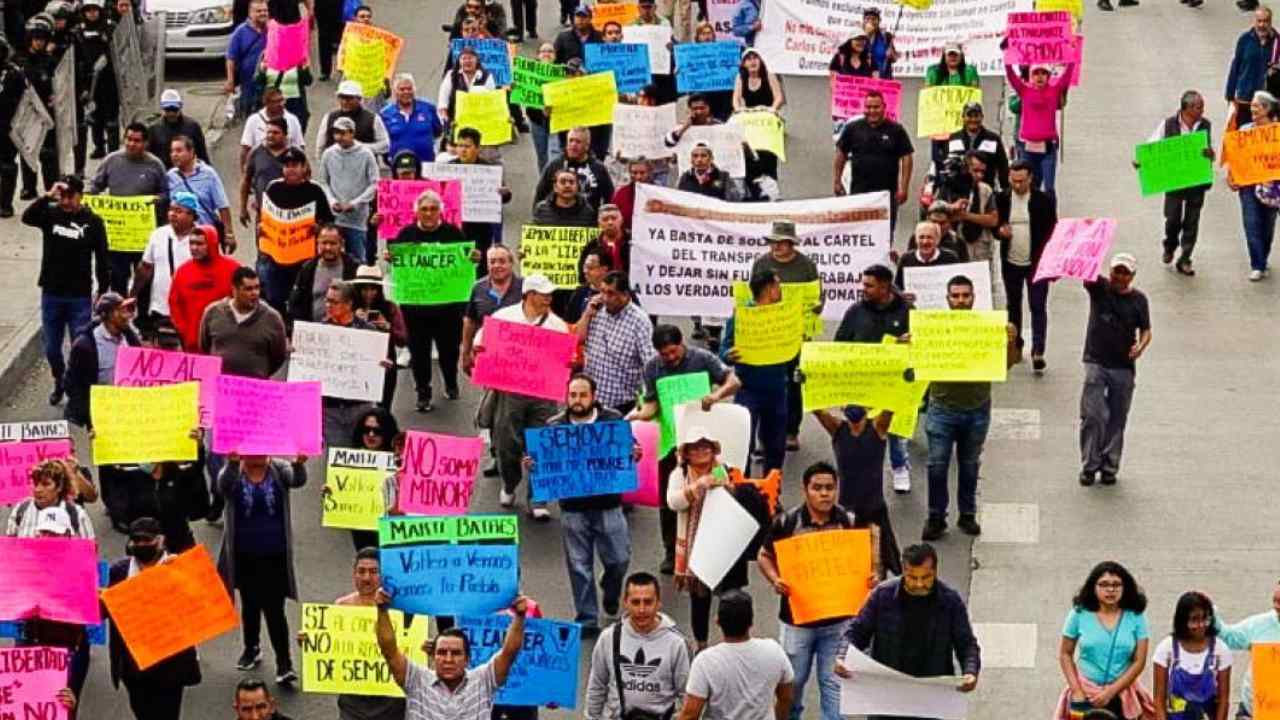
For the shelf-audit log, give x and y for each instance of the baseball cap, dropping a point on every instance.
(187, 200)
(1126, 261)
(972, 107)
(54, 519)
(293, 155)
(405, 160)
(145, 528)
(350, 88)
(538, 283)
(938, 206)
(170, 98)
(344, 123)
(1041, 67)
(952, 47)
(583, 10)
(108, 302)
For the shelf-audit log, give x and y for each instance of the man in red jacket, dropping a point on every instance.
(198, 284)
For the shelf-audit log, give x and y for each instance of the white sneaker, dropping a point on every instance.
(902, 480)
(540, 513)
(1255, 275)
(506, 499)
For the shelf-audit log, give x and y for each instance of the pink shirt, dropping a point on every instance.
(1039, 105)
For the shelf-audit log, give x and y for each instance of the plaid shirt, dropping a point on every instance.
(428, 698)
(618, 346)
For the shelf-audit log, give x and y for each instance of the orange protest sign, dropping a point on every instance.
(287, 236)
(623, 13)
(196, 607)
(1266, 680)
(827, 572)
(770, 486)
(1252, 156)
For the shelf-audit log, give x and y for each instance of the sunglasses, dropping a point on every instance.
(372, 429)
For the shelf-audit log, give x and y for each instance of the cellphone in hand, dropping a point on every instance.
(374, 316)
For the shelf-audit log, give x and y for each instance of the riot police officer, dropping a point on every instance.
(96, 84)
(12, 85)
(38, 65)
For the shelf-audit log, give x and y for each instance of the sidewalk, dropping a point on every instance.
(20, 255)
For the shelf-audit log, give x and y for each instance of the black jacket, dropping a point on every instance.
(880, 625)
(997, 162)
(718, 188)
(864, 322)
(82, 372)
(1044, 216)
(162, 134)
(568, 45)
(300, 297)
(594, 182)
(181, 670)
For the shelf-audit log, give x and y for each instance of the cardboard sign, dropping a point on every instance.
(144, 424)
(764, 131)
(265, 417)
(1252, 156)
(1265, 659)
(554, 252)
(959, 345)
(197, 607)
(1037, 38)
(150, 367)
(706, 66)
(674, 390)
(345, 361)
(494, 56)
(840, 373)
(930, 284)
(451, 579)
(1174, 163)
(546, 670)
(1076, 249)
(369, 55)
(527, 78)
(287, 236)
(638, 130)
(728, 423)
(355, 478)
(623, 13)
(438, 473)
(431, 273)
(288, 46)
(827, 572)
(579, 460)
(941, 108)
(584, 101)
(340, 649)
(129, 219)
(629, 63)
(481, 185)
(768, 334)
(32, 591)
(657, 38)
(30, 680)
(647, 434)
(732, 529)
(849, 96)
(509, 362)
(450, 529)
(485, 111)
(396, 200)
(16, 461)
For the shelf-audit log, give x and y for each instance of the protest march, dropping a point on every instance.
(610, 359)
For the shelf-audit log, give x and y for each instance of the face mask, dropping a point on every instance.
(143, 553)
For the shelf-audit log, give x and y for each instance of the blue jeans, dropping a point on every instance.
(898, 457)
(1044, 166)
(802, 645)
(541, 134)
(967, 431)
(768, 408)
(277, 281)
(60, 317)
(1259, 227)
(354, 241)
(584, 533)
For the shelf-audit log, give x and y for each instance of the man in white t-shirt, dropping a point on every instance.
(742, 678)
(167, 249)
(255, 126)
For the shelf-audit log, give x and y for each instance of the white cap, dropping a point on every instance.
(1126, 261)
(350, 88)
(54, 519)
(170, 97)
(538, 283)
(694, 433)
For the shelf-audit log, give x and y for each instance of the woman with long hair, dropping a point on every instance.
(1191, 669)
(756, 88)
(1104, 647)
(375, 429)
(373, 307)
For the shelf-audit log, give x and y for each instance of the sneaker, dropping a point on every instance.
(1255, 275)
(492, 470)
(286, 675)
(1108, 478)
(506, 499)
(1105, 5)
(98, 154)
(1184, 266)
(1037, 366)
(1086, 477)
(668, 565)
(1194, 3)
(969, 524)
(902, 480)
(55, 397)
(1167, 256)
(451, 393)
(1128, 3)
(249, 659)
(1247, 5)
(540, 513)
(425, 406)
(6, 212)
(934, 528)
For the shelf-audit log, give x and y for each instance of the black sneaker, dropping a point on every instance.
(1167, 256)
(1105, 5)
(934, 528)
(969, 524)
(249, 659)
(1086, 477)
(451, 393)
(1194, 3)
(1108, 478)
(1037, 366)
(27, 194)
(55, 397)
(1128, 3)
(6, 212)
(424, 405)
(1184, 266)
(98, 154)
(286, 676)
(1247, 5)
(492, 470)
(668, 566)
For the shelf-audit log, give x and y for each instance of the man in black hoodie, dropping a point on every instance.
(73, 254)
(593, 178)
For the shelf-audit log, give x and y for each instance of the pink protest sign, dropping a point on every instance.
(265, 417)
(147, 367)
(849, 94)
(1077, 248)
(646, 494)
(288, 46)
(396, 197)
(30, 678)
(524, 359)
(1038, 37)
(32, 587)
(438, 473)
(16, 460)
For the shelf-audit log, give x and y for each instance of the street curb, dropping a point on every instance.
(20, 353)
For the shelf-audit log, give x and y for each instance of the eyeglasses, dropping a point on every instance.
(1117, 585)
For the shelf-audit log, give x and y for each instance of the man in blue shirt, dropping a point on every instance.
(244, 53)
(1248, 73)
(879, 43)
(190, 174)
(412, 124)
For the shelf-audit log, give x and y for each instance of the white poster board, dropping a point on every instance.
(347, 362)
(726, 528)
(930, 284)
(638, 130)
(725, 142)
(728, 423)
(481, 201)
(876, 689)
(658, 38)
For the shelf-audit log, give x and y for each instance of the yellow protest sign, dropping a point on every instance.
(554, 251)
(763, 130)
(906, 411)
(623, 13)
(485, 111)
(768, 334)
(353, 481)
(583, 101)
(959, 345)
(806, 294)
(288, 236)
(369, 55)
(144, 424)
(941, 108)
(1075, 7)
(129, 219)
(842, 373)
(340, 649)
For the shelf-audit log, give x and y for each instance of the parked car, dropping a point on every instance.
(195, 29)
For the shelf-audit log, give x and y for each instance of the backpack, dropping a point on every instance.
(21, 510)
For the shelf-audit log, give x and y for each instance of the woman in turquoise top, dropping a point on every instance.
(1107, 626)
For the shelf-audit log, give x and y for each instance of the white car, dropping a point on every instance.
(196, 29)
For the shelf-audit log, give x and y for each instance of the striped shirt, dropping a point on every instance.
(430, 699)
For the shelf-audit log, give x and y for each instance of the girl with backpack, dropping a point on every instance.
(1191, 669)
